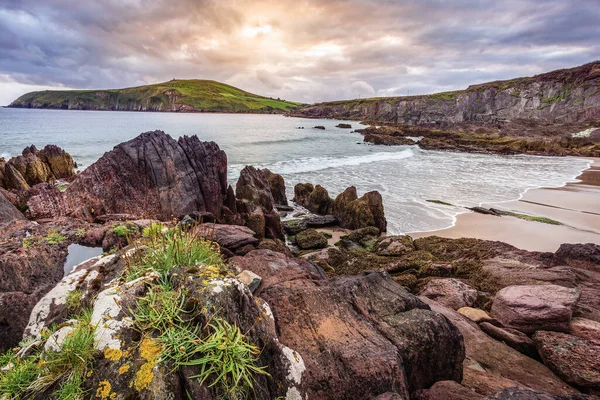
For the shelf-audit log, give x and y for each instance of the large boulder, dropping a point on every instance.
(491, 365)
(277, 184)
(256, 205)
(450, 292)
(153, 176)
(60, 162)
(311, 239)
(358, 336)
(530, 308)
(230, 237)
(574, 359)
(449, 390)
(353, 212)
(314, 198)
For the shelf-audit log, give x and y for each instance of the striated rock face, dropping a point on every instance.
(36, 166)
(533, 308)
(153, 176)
(256, 205)
(570, 95)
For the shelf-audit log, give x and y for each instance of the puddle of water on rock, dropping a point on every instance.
(78, 254)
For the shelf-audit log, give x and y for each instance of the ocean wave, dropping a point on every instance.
(280, 141)
(312, 164)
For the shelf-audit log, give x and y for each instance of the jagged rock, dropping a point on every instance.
(255, 203)
(394, 246)
(60, 162)
(533, 308)
(318, 221)
(354, 213)
(8, 212)
(585, 256)
(231, 237)
(277, 184)
(450, 292)
(13, 178)
(44, 201)
(585, 328)
(153, 176)
(512, 337)
(574, 359)
(503, 366)
(311, 239)
(301, 192)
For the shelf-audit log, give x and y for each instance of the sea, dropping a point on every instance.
(406, 176)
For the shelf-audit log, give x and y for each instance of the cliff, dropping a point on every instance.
(176, 96)
(562, 96)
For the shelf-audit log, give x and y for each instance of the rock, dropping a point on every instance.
(56, 340)
(450, 292)
(13, 179)
(537, 307)
(487, 211)
(318, 201)
(60, 162)
(319, 127)
(277, 184)
(44, 201)
(585, 328)
(475, 314)
(275, 245)
(512, 337)
(153, 176)
(301, 192)
(574, 359)
(311, 239)
(394, 246)
(318, 221)
(363, 237)
(354, 213)
(491, 365)
(584, 256)
(256, 205)
(389, 396)
(344, 126)
(249, 279)
(387, 140)
(294, 226)
(449, 390)
(231, 237)
(8, 212)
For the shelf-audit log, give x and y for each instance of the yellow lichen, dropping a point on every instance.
(103, 390)
(124, 368)
(113, 354)
(149, 350)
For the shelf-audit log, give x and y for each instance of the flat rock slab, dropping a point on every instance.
(530, 308)
(574, 359)
(512, 337)
(451, 292)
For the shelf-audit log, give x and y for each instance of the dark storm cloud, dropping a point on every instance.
(308, 50)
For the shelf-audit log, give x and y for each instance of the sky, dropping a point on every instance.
(300, 50)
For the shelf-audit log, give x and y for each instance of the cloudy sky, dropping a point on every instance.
(302, 50)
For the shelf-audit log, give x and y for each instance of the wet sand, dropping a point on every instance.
(575, 205)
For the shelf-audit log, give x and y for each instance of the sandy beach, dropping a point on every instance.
(576, 206)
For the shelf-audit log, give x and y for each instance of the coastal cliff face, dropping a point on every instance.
(562, 96)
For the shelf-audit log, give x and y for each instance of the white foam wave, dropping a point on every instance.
(313, 164)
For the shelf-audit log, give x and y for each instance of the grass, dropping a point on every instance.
(125, 230)
(193, 95)
(52, 238)
(63, 372)
(440, 202)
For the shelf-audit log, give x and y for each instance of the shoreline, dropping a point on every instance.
(575, 205)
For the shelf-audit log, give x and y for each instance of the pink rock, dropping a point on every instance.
(585, 328)
(537, 307)
(450, 292)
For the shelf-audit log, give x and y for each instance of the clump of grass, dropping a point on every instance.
(125, 230)
(64, 370)
(74, 301)
(153, 230)
(29, 241)
(53, 237)
(440, 202)
(227, 359)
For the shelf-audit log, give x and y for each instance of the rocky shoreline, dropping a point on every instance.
(371, 317)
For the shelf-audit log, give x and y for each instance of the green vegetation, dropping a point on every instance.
(52, 238)
(445, 96)
(532, 218)
(440, 202)
(74, 301)
(126, 230)
(62, 371)
(175, 95)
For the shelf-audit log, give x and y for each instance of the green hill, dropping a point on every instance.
(177, 95)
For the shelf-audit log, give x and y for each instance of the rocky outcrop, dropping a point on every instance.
(256, 205)
(277, 185)
(315, 199)
(450, 292)
(8, 212)
(570, 95)
(354, 213)
(36, 166)
(533, 308)
(387, 140)
(310, 239)
(153, 176)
